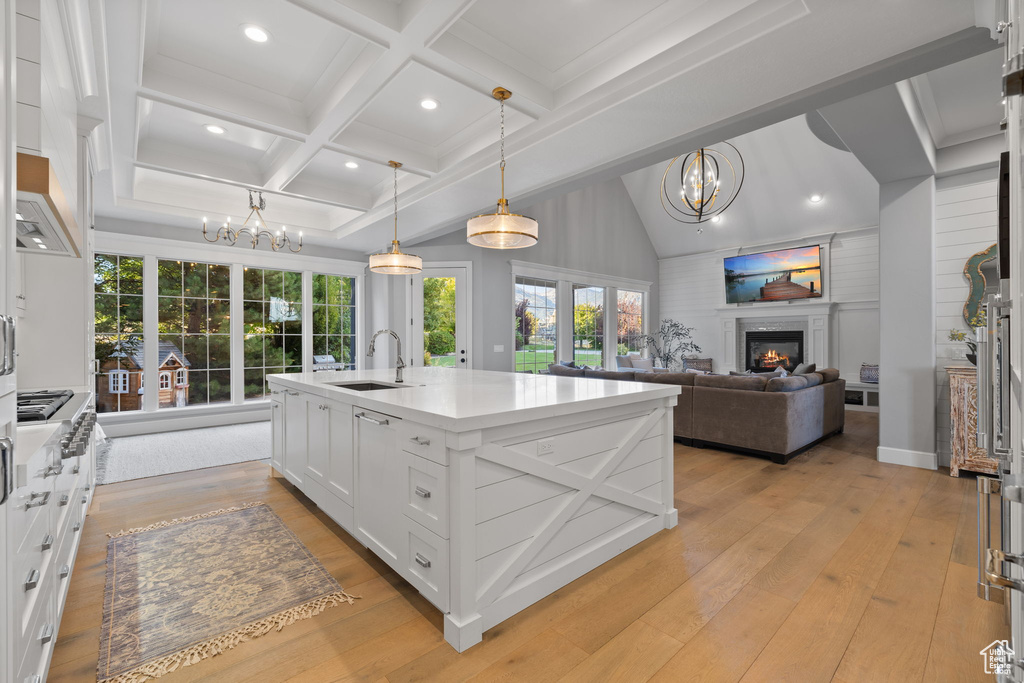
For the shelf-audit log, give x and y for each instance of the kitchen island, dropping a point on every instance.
(487, 491)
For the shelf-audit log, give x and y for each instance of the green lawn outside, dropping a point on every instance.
(442, 361)
(537, 357)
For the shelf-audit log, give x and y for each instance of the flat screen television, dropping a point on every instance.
(774, 275)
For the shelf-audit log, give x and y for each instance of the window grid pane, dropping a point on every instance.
(535, 332)
(334, 318)
(272, 309)
(588, 325)
(631, 323)
(118, 335)
(193, 301)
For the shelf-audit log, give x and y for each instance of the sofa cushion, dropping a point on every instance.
(750, 383)
(623, 361)
(643, 364)
(627, 376)
(829, 375)
(683, 379)
(791, 383)
(565, 371)
(804, 369)
(813, 378)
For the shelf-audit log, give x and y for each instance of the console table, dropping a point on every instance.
(963, 424)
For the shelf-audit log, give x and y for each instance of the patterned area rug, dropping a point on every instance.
(181, 591)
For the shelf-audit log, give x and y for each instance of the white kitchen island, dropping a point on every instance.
(487, 491)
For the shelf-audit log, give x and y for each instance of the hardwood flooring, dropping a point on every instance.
(833, 567)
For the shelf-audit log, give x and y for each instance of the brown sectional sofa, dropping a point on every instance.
(773, 416)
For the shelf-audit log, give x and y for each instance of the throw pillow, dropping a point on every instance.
(567, 363)
(804, 369)
(643, 363)
(623, 361)
(695, 372)
(780, 372)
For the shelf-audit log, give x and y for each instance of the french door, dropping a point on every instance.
(440, 325)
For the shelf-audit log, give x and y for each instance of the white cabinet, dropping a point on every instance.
(378, 509)
(277, 433)
(329, 448)
(296, 437)
(318, 443)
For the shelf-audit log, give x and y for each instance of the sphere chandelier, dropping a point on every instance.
(705, 183)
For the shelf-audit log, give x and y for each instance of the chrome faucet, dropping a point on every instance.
(401, 363)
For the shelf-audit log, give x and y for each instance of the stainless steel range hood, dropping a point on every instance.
(46, 222)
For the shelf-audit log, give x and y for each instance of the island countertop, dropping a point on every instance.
(463, 400)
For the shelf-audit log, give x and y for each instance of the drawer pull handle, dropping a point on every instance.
(47, 541)
(422, 561)
(64, 500)
(64, 571)
(34, 679)
(367, 418)
(85, 499)
(77, 526)
(420, 441)
(38, 500)
(46, 635)
(54, 470)
(422, 492)
(76, 469)
(292, 393)
(32, 580)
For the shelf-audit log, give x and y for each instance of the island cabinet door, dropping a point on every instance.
(277, 435)
(318, 427)
(296, 437)
(340, 451)
(379, 509)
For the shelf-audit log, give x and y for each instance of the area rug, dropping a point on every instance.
(178, 592)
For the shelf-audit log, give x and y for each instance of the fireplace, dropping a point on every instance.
(767, 351)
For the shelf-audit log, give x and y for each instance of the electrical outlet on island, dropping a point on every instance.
(545, 447)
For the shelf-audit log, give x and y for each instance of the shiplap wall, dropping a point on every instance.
(965, 223)
(693, 287)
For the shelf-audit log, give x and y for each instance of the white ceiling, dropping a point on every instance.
(785, 164)
(962, 102)
(601, 88)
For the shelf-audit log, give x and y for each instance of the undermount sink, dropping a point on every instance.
(366, 386)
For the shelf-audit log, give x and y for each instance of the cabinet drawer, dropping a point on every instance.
(31, 576)
(426, 563)
(426, 442)
(35, 642)
(425, 492)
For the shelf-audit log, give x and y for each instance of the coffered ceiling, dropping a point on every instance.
(601, 88)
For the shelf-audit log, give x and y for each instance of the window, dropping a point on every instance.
(118, 333)
(194, 304)
(334, 330)
(535, 335)
(630, 323)
(588, 325)
(118, 382)
(273, 326)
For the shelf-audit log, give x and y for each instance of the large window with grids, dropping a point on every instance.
(630, 322)
(588, 325)
(118, 333)
(194, 356)
(272, 310)
(334, 311)
(535, 335)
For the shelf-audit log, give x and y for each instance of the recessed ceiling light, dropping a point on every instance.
(37, 240)
(428, 103)
(815, 198)
(42, 246)
(256, 34)
(214, 128)
(19, 217)
(351, 164)
(716, 219)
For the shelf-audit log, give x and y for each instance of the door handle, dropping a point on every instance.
(373, 420)
(4, 327)
(6, 467)
(994, 558)
(987, 590)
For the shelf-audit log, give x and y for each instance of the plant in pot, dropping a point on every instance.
(672, 340)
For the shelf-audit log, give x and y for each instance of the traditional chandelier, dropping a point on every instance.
(259, 229)
(707, 184)
(502, 229)
(395, 261)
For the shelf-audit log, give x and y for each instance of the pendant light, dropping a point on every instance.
(395, 261)
(502, 229)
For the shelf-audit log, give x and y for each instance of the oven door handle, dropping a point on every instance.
(6, 468)
(5, 331)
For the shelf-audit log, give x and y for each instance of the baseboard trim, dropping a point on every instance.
(154, 423)
(900, 456)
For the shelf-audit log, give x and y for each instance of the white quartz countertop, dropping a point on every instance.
(28, 440)
(464, 400)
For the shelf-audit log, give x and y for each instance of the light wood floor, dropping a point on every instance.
(834, 567)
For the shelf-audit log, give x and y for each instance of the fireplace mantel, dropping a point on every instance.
(815, 319)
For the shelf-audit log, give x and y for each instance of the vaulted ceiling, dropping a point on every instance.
(601, 88)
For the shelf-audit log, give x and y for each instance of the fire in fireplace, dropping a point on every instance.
(767, 351)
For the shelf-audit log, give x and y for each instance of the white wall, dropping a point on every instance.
(693, 287)
(965, 223)
(595, 229)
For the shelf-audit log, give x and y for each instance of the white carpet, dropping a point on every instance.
(150, 455)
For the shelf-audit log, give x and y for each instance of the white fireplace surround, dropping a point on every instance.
(814, 319)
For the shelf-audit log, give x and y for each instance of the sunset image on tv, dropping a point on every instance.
(774, 275)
